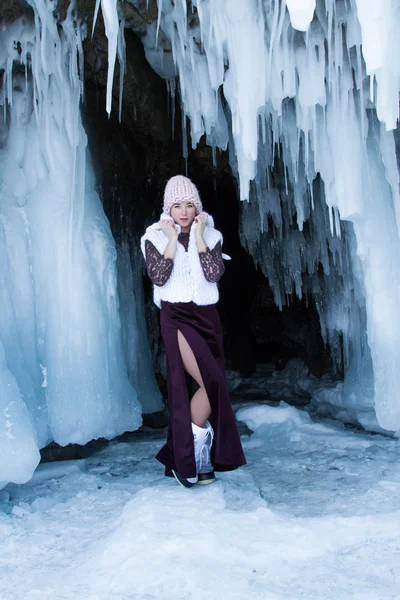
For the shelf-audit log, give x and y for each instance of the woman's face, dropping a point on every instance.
(183, 213)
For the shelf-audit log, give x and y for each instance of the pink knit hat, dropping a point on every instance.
(180, 189)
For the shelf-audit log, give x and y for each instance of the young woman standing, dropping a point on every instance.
(184, 260)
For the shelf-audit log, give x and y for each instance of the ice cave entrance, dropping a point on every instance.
(285, 115)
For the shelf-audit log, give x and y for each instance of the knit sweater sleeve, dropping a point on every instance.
(159, 268)
(212, 263)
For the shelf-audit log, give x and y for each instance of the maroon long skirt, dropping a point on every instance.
(201, 327)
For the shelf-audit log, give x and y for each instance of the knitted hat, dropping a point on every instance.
(180, 189)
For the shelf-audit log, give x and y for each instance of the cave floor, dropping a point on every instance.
(314, 514)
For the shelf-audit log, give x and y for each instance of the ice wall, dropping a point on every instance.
(134, 333)
(313, 87)
(63, 374)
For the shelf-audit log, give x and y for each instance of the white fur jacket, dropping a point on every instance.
(187, 282)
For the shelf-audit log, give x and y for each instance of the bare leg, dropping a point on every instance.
(200, 408)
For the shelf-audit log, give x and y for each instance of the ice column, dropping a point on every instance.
(134, 334)
(60, 327)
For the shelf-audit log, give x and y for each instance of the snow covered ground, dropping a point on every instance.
(314, 514)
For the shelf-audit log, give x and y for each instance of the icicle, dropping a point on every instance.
(159, 4)
(275, 18)
(110, 16)
(184, 140)
(96, 12)
(8, 71)
(4, 96)
(122, 64)
(171, 84)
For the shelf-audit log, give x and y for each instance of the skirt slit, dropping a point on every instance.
(201, 328)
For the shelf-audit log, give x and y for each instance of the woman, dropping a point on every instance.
(183, 255)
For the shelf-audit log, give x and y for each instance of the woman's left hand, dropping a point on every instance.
(201, 221)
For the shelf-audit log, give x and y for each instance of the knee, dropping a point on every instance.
(203, 390)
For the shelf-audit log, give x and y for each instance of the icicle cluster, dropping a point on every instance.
(312, 86)
(62, 369)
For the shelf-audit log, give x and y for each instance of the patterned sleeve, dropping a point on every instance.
(158, 267)
(212, 263)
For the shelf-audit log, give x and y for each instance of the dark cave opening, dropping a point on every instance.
(133, 161)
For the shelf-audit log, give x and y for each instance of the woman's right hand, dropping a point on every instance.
(167, 226)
